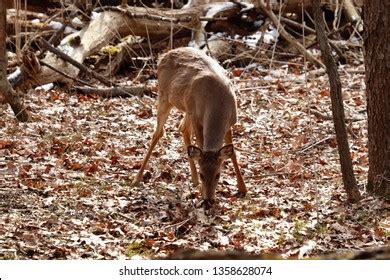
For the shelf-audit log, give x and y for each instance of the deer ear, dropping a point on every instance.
(226, 151)
(194, 152)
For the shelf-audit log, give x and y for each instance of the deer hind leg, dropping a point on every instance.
(240, 180)
(164, 108)
(186, 130)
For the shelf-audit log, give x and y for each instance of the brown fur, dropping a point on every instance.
(196, 84)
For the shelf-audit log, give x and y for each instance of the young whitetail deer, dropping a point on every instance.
(196, 84)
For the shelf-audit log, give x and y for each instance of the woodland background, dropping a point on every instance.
(65, 173)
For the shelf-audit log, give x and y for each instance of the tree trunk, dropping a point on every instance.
(6, 90)
(349, 180)
(377, 63)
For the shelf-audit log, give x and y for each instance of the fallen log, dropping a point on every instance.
(288, 6)
(104, 28)
(114, 22)
(153, 25)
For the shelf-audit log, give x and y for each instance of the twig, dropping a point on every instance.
(275, 174)
(115, 91)
(311, 30)
(55, 37)
(287, 36)
(321, 115)
(123, 216)
(329, 117)
(333, 45)
(179, 224)
(297, 25)
(145, 15)
(312, 145)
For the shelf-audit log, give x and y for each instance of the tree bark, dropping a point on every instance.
(6, 90)
(377, 63)
(349, 180)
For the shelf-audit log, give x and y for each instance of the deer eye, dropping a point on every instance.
(217, 176)
(201, 176)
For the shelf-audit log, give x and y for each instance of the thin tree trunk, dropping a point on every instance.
(6, 90)
(377, 63)
(349, 180)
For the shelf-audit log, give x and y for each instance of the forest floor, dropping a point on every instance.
(65, 176)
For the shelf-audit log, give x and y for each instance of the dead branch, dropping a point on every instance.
(80, 66)
(115, 91)
(115, 22)
(287, 36)
(85, 69)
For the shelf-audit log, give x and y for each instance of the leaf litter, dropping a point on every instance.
(65, 177)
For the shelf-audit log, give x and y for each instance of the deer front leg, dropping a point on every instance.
(240, 181)
(186, 129)
(162, 116)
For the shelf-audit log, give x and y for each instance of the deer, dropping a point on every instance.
(196, 84)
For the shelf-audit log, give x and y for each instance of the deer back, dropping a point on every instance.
(196, 84)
